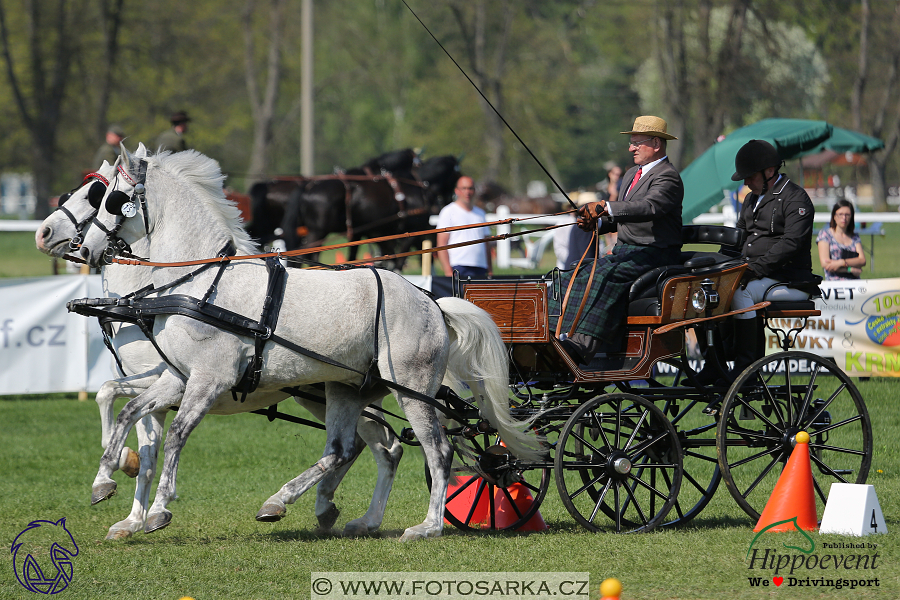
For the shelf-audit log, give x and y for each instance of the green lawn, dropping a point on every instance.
(215, 549)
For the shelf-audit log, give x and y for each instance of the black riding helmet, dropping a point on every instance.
(753, 157)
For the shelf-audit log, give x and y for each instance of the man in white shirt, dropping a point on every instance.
(469, 261)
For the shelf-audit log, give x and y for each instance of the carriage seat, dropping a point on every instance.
(643, 297)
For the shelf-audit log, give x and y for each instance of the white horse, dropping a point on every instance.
(411, 340)
(139, 358)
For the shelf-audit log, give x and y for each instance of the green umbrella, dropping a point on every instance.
(844, 140)
(708, 178)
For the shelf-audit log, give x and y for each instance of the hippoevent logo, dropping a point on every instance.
(801, 566)
(42, 556)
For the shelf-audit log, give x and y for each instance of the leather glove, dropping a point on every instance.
(589, 214)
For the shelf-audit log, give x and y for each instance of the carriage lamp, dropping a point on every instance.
(705, 297)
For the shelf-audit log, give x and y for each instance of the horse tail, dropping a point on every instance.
(478, 358)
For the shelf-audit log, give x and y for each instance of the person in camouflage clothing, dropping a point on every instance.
(647, 218)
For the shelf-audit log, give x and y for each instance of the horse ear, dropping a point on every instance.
(126, 159)
(141, 151)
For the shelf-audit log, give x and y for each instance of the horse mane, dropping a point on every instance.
(204, 175)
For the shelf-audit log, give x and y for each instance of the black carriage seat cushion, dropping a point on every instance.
(645, 286)
(730, 239)
(644, 307)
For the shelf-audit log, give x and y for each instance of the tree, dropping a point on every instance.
(722, 67)
(262, 104)
(884, 110)
(39, 89)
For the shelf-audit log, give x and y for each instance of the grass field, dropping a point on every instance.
(215, 549)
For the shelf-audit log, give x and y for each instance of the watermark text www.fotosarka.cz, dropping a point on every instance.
(450, 585)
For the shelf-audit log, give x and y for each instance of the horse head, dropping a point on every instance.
(439, 175)
(61, 231)
(179, 185)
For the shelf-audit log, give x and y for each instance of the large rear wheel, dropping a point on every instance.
(769, 404)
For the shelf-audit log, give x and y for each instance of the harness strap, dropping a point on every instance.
(268, 319)
(565, 302)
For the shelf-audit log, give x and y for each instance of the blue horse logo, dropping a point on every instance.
(39, 540)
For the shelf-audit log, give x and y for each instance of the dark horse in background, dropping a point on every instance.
(391, 194)
(268, 199)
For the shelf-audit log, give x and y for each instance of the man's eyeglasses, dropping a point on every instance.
(639, 142)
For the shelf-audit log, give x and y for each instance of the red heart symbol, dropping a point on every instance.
(778, 580)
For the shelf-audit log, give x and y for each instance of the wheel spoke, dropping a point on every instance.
(762, 475)
(807, 399)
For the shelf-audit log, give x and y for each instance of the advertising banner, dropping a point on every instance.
(44, 348)
(859, 327)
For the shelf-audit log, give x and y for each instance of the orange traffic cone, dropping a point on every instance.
(339, 258)
(506, 515)
(793, 495)
(610, 589)
(459, 504)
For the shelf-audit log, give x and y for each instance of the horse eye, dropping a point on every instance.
(96, 193)
(115, 201)
(63, 198)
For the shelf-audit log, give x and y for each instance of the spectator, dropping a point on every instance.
(840, 249)
(469, 261)
(110, 149)
(173, 139)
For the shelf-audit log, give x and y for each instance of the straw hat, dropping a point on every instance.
(653, 126)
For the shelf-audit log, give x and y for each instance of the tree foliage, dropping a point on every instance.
(567, 75)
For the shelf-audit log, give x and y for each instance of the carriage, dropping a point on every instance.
(634, 441)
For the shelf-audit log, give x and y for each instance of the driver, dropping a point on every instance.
(647, 216)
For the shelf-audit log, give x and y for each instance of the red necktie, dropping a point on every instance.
(637, 177)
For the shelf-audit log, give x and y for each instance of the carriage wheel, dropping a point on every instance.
(618, 454)
(697, 436)
(497, 501)
(764, 409)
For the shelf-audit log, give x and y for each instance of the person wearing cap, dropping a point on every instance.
(173, 139)
(110, 149)
(777, 217)
(647, 218)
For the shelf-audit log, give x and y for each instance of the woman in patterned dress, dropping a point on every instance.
(840, 249)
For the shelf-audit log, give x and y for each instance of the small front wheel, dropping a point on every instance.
(618, 455)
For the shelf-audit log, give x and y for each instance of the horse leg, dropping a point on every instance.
(166, 390)
(438, 457)
(388, 451)
(129, 387)
(149, 434)
(200, 394)
(342, 410)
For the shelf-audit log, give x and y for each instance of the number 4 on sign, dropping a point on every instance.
(852, 509)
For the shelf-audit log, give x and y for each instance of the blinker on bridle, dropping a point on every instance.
(95, 197)
(122, 205)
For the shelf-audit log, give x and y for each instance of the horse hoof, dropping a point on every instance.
(158, 521)
(103, 491)
(271, 512)
(357, 528)
(328, 518)
(130, 464)
(118, 534)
